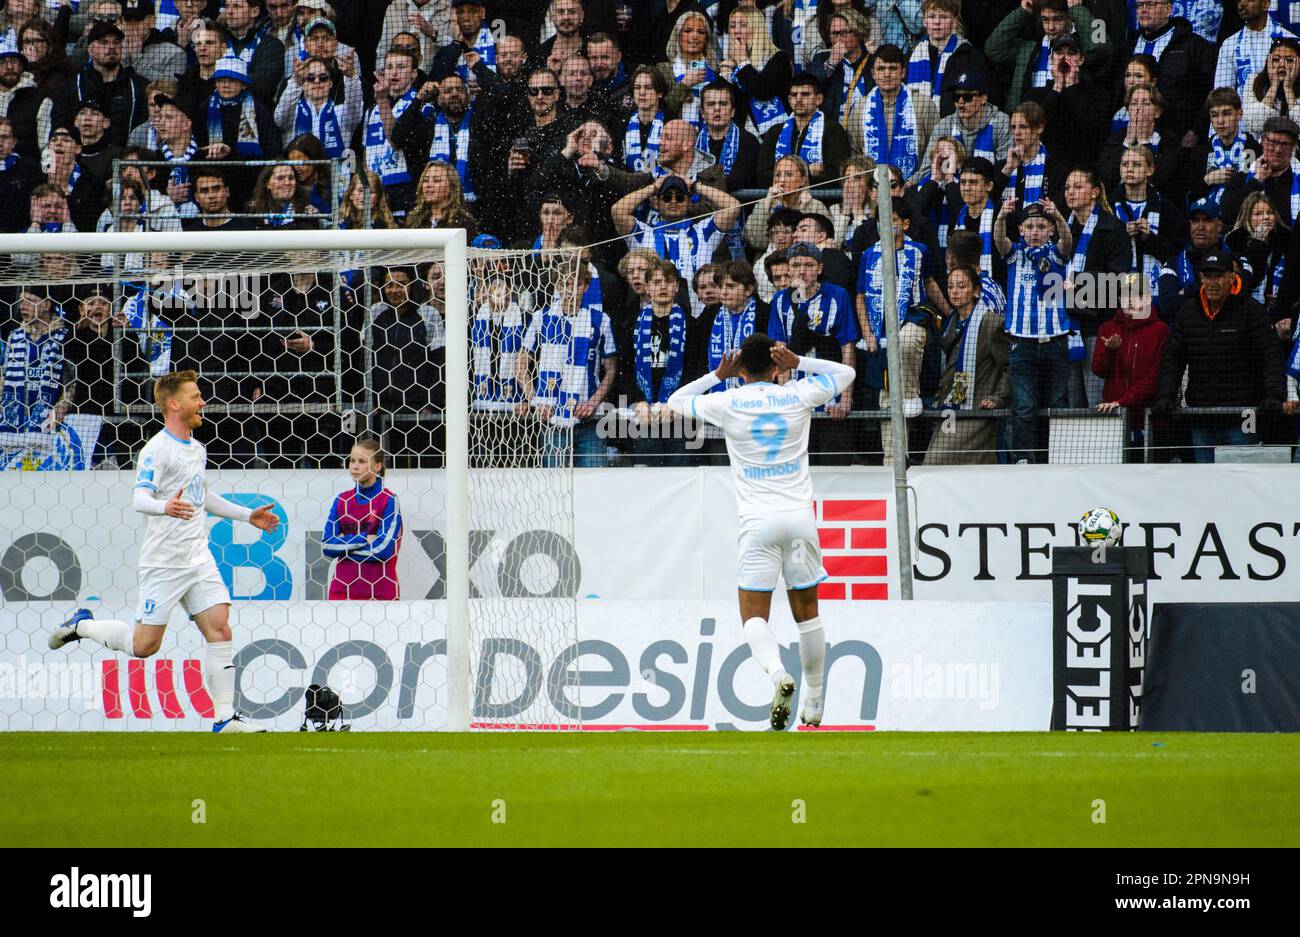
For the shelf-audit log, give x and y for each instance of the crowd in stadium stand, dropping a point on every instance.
(714, 161)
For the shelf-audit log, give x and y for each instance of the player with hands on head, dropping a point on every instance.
(766, 426)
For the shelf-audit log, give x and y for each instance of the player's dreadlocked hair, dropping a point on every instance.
(169, 385)
(756, 355)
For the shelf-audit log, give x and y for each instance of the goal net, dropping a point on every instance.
(441, 595)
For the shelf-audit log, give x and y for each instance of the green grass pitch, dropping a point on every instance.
(649, 788)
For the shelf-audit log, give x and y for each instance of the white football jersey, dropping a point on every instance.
(766, 426)
(167, 465)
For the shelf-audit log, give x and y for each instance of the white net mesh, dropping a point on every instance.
(300, 354)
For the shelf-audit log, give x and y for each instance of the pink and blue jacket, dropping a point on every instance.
(366, 569)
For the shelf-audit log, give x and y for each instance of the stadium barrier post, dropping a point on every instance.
(889, 273)
(457, 414)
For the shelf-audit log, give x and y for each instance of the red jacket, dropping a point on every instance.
(1131, 371)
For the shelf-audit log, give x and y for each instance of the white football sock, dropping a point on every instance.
(812, 653)
(113, 634)
(763, 647)
(219, 675)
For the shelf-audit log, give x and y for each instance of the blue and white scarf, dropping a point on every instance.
(564, 358)
(645, 353)
(909, 273)
(180, 175)
(9, 162)
(1204, 15)
(1042, 72)
(247, 143)
(73, 177)
(1076, 348)
(811, 147)
(497, 338)
(322, 124)
(154, 335)
(1293, 362)
(33, 378)
(922, 76)
(440, 149)
(766, 114)
(730, 146)
(1126, 212)
(986, 233)
(246, 55)
(901, 150)
(1249, 57)
(1154, 47)
(486, 47)
(633, 157)
(967, 358)
(1033, 171)
(983, 145)
(1221, 157)
(382, 157)
(1119, 123)
(730, 329)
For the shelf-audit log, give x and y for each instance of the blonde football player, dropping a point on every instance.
(176, 565)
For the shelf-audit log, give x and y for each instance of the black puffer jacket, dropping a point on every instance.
(1231, 359)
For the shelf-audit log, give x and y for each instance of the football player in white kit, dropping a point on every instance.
(766, 425)
(176, 565)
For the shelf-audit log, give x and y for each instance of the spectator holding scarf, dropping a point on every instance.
(327, 105)
(897, 123)
(807, 133)
(661, 339)
(237, 125)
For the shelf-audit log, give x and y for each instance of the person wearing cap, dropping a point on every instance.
(105, 78)
(1077, 111)
(1275, 173)
(1245, 52)
(151, 52)
(310, 103)
(84, 190)
(13, 73)
(968, 205)
(808, 133)
(1186, 76)
(1037, 317)
(1222, 340)
(319, 37)
(97, 152)
(981, 128)
(942, 54)
(816, 318)
(234, 122)
(816, 229)
(173, 137)
(249, 39)
(37, 381)
(687, 241)
(1024, 41)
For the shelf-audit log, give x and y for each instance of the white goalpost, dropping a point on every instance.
(507, 654)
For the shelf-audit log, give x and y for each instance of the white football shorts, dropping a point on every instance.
(780, 543)
(196, 588)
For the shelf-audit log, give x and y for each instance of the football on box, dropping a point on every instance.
(1100, 526)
